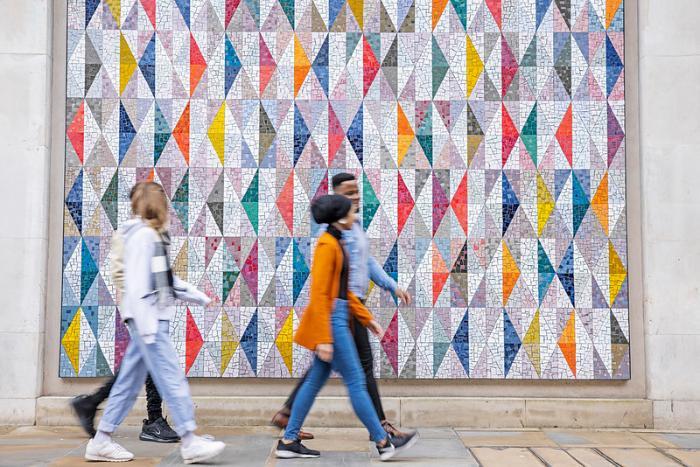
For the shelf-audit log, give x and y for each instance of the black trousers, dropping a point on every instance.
(364, 351)
(154, 403)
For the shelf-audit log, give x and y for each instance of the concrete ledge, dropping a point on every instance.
(588, 413)
(467, 412)
(676, 415)
(15, 411)
(56, 411)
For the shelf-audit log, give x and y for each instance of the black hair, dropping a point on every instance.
(339, 179)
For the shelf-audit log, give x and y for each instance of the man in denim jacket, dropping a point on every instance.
(363, 268)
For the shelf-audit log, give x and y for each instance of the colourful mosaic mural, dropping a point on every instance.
(487, 136)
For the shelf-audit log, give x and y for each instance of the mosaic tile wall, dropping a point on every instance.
(487, 135)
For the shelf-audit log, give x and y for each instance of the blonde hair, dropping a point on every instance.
(150, 203)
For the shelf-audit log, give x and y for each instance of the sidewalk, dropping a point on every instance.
(253, 446)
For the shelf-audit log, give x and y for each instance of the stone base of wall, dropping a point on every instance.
(676, 415)
(465, 412)
(15, 411)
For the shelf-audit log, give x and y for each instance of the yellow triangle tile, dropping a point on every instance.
(545, 204)
(71, 341)
(229, 342)
(358, 9)
(127, 63)
(115, 8)
(531, 342)
(284, 340)
(618, 273)
(475, 66)
(217, 132)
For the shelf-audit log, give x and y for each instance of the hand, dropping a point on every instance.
(404, 296)
(376, 328)
(325, 352)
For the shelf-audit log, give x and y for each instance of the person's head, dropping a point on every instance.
(333, 210)
(150, 204)
(345, 184)
(138, 186)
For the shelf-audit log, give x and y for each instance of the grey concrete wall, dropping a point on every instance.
(633, 389)
(669, 63)
(25, 78)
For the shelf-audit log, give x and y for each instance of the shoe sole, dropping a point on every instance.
(294, 455)
(153, 439)
(211, 455)
(91, 458)
(409, 445)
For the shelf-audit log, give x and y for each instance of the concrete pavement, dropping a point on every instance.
(253, 446)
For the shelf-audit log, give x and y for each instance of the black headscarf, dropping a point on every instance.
(329, 209)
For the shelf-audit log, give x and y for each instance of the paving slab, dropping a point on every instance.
(435, 433)
(672, 440)
(240, 451)
(589, 457)
(330, 458)
(639, 457)
(413, 462)
(499, 457)
(687, 456)
(70, 461)
(338, 439)
(583, 438)
(505, 438)
(435, 448)
(254, 445)
(36, 454)
(556, 457)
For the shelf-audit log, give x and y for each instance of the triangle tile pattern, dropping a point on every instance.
(487, 137)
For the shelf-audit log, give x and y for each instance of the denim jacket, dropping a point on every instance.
(363, 266)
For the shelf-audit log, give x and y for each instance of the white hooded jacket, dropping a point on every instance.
(140, 299)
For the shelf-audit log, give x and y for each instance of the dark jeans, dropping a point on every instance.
(154, 403)
(364, 351)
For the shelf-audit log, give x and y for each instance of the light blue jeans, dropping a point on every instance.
(347, 363)
(160, 360)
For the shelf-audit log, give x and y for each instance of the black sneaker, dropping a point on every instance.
(396, 444)
(294, 450)
(158, 431)
(85, 410)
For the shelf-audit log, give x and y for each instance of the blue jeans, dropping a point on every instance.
(347, 363)
(160, 361)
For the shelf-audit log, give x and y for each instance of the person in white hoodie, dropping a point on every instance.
(150, 289)
(155, 428)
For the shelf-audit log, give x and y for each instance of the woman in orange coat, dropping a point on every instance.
(325, 329)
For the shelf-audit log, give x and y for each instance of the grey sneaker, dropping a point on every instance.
(397, 444)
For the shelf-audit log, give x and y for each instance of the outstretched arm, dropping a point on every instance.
(189, 293)
(379, 276)
(383, 280)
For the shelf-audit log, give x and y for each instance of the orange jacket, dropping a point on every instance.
(315, 325)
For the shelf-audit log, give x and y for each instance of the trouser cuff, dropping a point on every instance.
(185, 428)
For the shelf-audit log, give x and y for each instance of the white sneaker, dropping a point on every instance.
(106, 452)
(201, 450)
